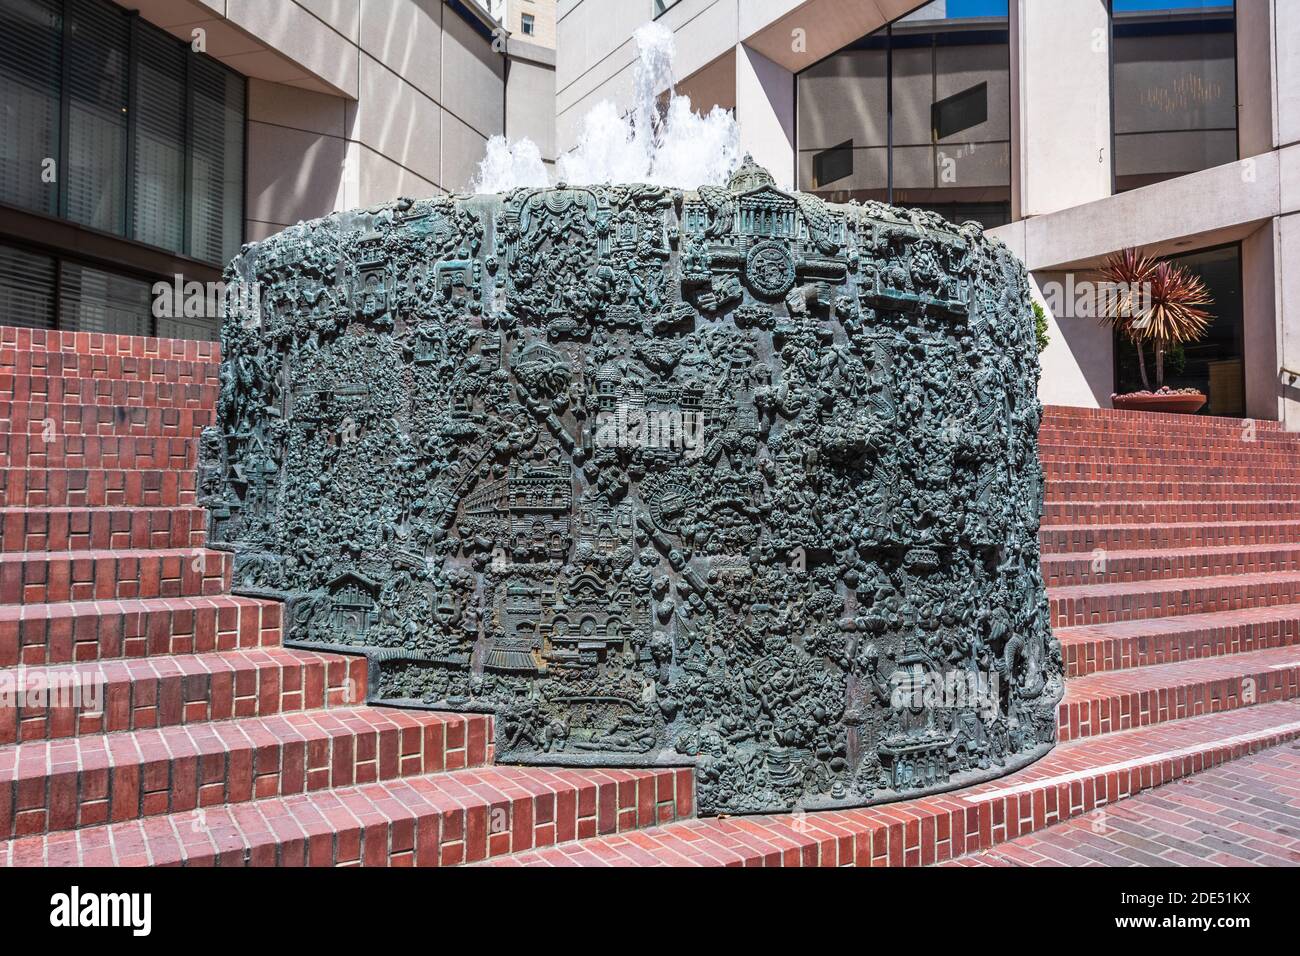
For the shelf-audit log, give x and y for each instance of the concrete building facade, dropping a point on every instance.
(141, 171)
(532, 21)
(1070, 128)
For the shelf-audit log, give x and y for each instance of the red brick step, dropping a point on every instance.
(117, 452)
(64, 390)
(1281, 455)
(1130, 601)
(1108, 490)
(1074, 469)
(42, 419)
(1123, 419)
(439, 820)
(1101, 566)
(1125, 644)
(95, 487)
(86, 781)
(1062, 538)
(1161, 512)
(1073, 779)
(167, 691)
(101, 344)
(1104, 703)
(1240, 814)
(43, 577)
(80, 529)
(35, 634)
(129, 368)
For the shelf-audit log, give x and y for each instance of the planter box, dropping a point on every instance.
(1177, 403)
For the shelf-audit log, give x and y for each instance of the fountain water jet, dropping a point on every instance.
(661, 141)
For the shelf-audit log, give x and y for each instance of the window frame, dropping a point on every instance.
(1110, 91)
(886, 31)
(127, 172)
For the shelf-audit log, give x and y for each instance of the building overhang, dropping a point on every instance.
(1210, 207)
(798, 33)
(276, 42)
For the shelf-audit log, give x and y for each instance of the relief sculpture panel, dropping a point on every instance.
(732, 478)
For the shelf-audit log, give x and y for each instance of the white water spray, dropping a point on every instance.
(507, 165)
(664, 144)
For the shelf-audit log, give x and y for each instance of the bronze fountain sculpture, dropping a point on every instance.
(730, 477)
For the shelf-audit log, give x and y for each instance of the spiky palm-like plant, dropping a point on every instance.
(1154, 301)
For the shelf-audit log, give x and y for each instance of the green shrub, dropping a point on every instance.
(1040, 326)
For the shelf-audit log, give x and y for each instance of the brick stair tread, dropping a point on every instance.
(1122, 555)
(106, 343)
(119, 421)
(1126, 526)
(1284, 456)
(1239, 431)
(1152, 502)
(146, 692)
(1098, 648)
(92, 608)
(93, 390)
(40, 577)
(91, 554)
(70, 365)
(102, 509)
(32, 449)
(440, 819)
(69, 783)
(125, 670)
(59, 632)
(37, 758)
(86, 469)
(1058, 513)
(1073, 779)
(1160, 626)
(1123, 415)
(1244, 813)
(1204, 489)
(1273, 531)
(1170, 563)
(1281, 447)
(1111, 471)
(1084, 591)
(25, 528)
(34, 487)
(1159, 677)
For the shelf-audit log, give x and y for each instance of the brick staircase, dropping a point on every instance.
(212, 743)
(1171, 548)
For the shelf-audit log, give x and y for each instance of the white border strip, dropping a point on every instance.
(1135, 762)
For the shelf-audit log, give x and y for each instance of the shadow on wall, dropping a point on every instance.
(1078, 365)
(293, 175)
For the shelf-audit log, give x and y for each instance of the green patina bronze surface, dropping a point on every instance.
(732, 477)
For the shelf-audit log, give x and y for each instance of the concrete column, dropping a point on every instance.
(1288, 319)
(1261, 332)
(1060, 104)
(1286, 71)
(1270, 271)
(1255, 98)
(765, 111)
(1078, 365)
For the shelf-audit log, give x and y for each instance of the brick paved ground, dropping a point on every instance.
(1245, 813)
